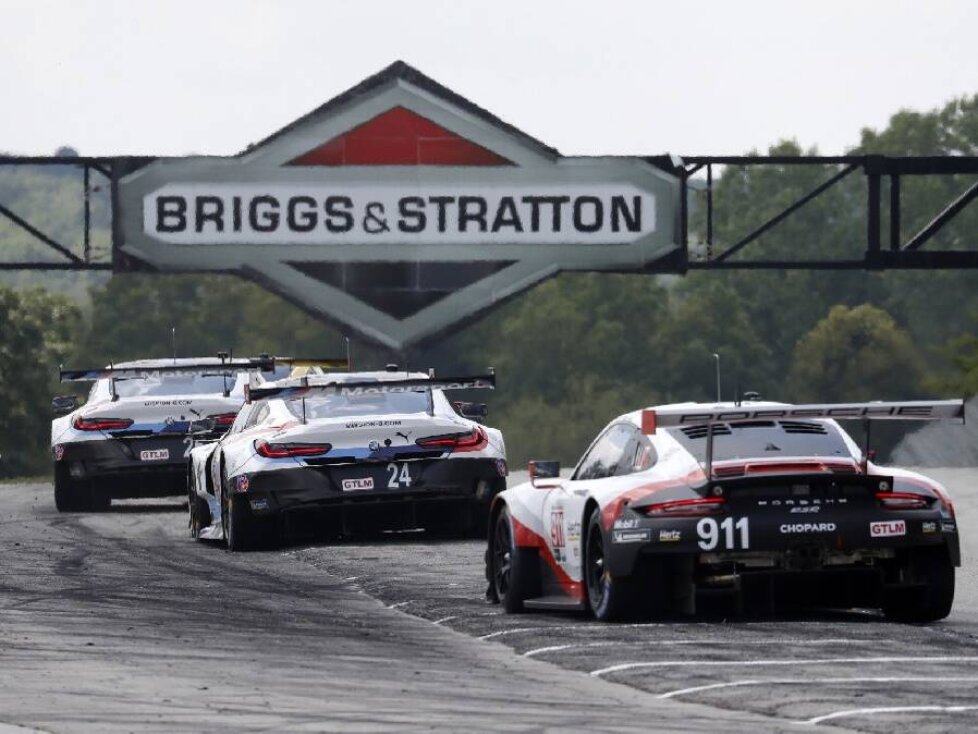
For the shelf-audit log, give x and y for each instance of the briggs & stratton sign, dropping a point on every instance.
(399, 210)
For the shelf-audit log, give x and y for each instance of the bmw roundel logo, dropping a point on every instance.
(374, 445)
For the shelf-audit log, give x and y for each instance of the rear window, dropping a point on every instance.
(331, 406)
(763, 439)
(173, 385)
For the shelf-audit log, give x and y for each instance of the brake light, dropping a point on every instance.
(475, 440)
(685, 508)
(288, 450)
(903, 500)
(101, 424)
(224, 420)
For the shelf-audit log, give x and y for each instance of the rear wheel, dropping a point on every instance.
(239, 526)
(610, 599)
(200, 513)
(929, 577)
(243, 531)
(70, 495)
(513, 571)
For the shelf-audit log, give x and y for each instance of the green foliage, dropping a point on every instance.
(580, 348)
(37, 330)
(855, 354)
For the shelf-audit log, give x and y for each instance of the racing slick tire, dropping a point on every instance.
(931, 594)
(610, 598)
(70, 495)
(513, 572)
(200, 513)
(241, 532)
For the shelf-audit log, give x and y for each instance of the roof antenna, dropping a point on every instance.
(173, 338)
(349, 356)
(717, 358)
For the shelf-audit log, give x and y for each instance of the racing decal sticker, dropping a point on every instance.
(557, 539)
(730, 534)
(887, 528)
(154, 455)
(807, 527)
(59, 452)
(670, 536)
(372, 424)
(625, 523)
(808, 509)
(642, 535)
(241, 483)
(354, 485)
(928, 527)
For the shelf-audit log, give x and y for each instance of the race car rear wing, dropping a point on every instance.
(262, 363)
(319, 385)
(229, 366)
(911, 410)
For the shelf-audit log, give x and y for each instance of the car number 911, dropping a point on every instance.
(733, 534)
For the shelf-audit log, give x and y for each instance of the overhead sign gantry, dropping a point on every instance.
(400, 210)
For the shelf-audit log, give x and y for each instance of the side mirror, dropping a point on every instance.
(472, 410)
(544, 470)
(64, 404)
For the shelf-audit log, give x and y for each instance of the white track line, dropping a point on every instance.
(400, 604)
(446, 619)
(563, 628)
(739, 643)
(807, 681)
(890, 710)
(790, 661)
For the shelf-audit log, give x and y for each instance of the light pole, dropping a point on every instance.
(717, 358)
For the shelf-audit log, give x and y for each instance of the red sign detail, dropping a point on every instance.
(399, 137)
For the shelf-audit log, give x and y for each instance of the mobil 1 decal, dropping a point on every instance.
(398, 209)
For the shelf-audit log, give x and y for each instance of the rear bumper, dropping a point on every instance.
(777, 545)
(134, 467)
(425, 481)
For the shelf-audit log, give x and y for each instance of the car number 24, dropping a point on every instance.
(730, 534)
(398, 476)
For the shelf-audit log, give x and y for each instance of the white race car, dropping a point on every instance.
(132, 437)
(757, 505)
(345, 453)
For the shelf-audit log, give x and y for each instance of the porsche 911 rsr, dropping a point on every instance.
(755, 506)
(132, 437)
(348, 453)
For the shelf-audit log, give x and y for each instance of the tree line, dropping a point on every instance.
(580, 348)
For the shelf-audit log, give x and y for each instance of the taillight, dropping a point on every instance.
(101, 424)
(475, 440)
(684, 508)
(224, 420)
(287, 450)
(903, 500)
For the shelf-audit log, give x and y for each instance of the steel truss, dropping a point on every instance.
(899, 254)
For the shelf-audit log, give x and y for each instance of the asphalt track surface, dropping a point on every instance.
(119, 622)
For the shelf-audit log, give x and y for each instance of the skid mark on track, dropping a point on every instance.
(783, 662)
(818, 681)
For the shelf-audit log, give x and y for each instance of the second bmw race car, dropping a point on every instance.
(764, 505)
(348, 453)
(132, 437)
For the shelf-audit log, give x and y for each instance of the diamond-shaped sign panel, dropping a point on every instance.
(398, 210)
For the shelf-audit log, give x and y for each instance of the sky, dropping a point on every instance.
(144, 77)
